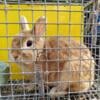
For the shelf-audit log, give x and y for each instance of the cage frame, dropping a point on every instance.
(58, 4)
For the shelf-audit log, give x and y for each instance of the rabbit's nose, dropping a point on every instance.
(26, 55)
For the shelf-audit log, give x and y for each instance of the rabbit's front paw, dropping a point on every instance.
(55, 92)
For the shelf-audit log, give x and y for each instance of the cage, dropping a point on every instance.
(33, 61)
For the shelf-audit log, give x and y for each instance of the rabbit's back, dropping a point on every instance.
(68, 59)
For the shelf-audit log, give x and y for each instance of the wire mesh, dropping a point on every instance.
(41, 57)
(44, 1)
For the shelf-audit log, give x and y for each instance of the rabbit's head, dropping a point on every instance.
(28, 43)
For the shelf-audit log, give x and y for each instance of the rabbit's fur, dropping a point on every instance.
(66, 63)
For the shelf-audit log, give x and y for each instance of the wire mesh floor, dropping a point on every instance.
(16, 90)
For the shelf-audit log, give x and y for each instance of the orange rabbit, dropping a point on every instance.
(65, 62)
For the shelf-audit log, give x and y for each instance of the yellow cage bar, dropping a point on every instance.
(66, 18)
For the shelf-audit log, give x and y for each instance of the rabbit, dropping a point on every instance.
(67, 64)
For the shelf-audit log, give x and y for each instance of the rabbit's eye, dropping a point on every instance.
(29, 43)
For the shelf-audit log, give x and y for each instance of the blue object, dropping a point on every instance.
(98, 27)
(4, 72)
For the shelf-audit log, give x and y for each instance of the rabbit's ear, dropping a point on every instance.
(24, 23)
(39, 26)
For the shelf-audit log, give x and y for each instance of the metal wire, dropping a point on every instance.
(23, 88)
